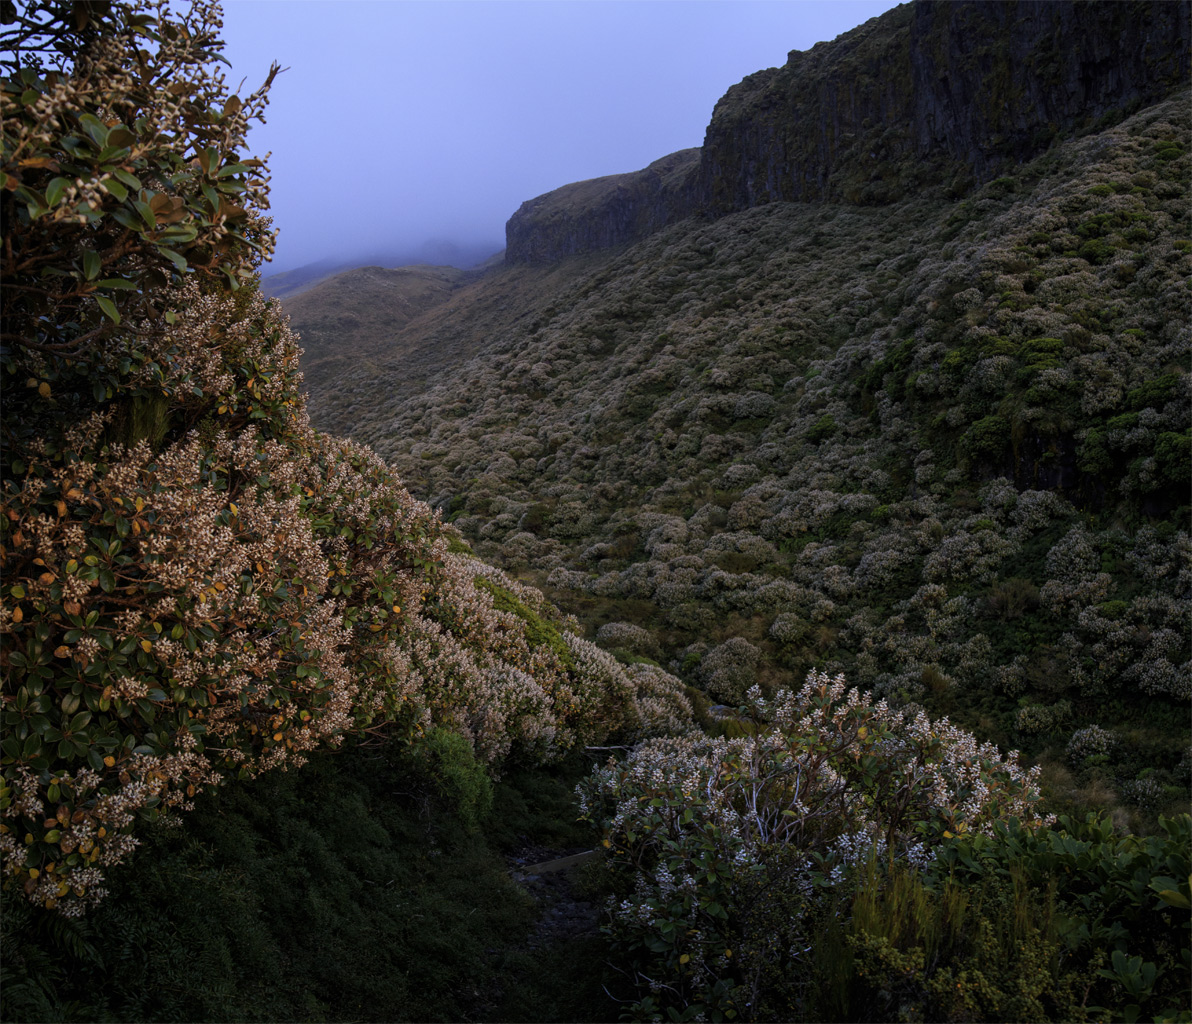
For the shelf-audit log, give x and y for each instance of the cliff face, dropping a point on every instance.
(933, 92)
(936, 91)
(603, 212)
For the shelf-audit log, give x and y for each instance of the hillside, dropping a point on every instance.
(857, 442)
(940, 444)
(350, 318)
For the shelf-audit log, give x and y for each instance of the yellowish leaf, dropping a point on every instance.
(43, 389)
(62, 652)
(17, 614)
(110, 761)
(146, 646)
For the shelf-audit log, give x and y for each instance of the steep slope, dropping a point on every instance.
(941, 445)
(603, 212)
(930, 93)
(935, 92)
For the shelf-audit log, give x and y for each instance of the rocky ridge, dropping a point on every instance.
(929, 93)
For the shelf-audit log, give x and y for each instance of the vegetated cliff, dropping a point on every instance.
(930, 92)
(603, 212)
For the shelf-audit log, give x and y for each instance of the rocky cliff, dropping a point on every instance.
(934, 92)
(603, 212)
(937, 92)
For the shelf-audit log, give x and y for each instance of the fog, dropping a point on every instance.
(409, 127)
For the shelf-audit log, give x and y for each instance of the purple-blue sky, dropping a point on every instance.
(402, 121)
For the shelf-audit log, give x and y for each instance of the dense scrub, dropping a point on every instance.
(738, 449)
(198, 586)
(849, 862)
(940, 445)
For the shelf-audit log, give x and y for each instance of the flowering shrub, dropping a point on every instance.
(1091, 741)
(694, 826)
(197, 585)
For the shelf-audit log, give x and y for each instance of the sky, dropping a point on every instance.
(402, 122)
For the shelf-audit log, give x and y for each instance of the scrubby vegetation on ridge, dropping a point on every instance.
(939, 445)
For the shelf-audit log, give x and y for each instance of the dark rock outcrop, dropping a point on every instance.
(934, 92)
(603, 212)
(937, 90)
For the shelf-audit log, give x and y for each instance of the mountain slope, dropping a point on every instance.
(931, 93)
(941, 445)
(353, 316)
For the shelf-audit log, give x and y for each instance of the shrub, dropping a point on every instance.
(986, 440)
(729, 669)
(1091, 741)
(699, 830)
(198, 586)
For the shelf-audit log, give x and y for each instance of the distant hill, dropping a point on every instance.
(931, 93)
(352, 320)
(432, 253)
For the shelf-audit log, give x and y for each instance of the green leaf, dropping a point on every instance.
(55, 189)
(109, 307)
(94, 127)
(178, 260)
(131, 180)
(146, 212)
(92, 265)
(116, 189)
(125, 219)
(116, 283)
(1169, 894)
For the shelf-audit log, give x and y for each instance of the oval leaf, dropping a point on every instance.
(109, 308)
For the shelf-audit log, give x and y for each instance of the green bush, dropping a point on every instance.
(986, 440)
